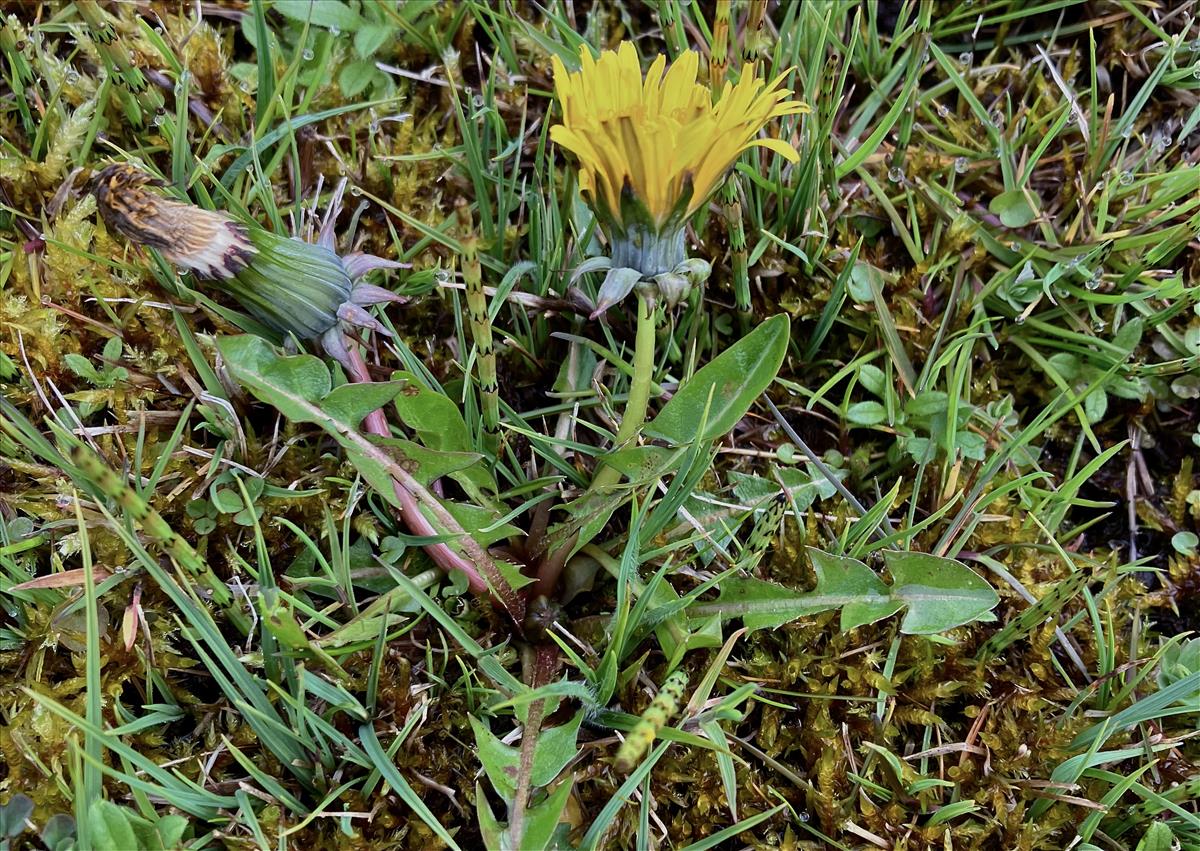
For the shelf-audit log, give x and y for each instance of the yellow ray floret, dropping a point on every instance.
(661, 136)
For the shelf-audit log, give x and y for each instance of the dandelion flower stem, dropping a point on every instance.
(634, 417)
(639, 391)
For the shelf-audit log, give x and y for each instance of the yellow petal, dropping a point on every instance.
(655, 133)
(778, 146)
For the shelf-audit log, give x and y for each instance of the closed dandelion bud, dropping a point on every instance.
(652, 150)
(296, 288)
(672, 288)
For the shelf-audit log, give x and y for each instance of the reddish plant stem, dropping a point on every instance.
(545, 662)
(444, 557)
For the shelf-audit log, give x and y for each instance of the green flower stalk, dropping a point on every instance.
(298, 289)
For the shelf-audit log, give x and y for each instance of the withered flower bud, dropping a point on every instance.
(300, 289)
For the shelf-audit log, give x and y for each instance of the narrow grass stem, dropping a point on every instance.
(732, 208)
(485, 351)
(815, 460)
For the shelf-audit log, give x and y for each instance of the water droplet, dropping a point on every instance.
(1196, 70)
(943, 110)
(307, 54)
(158, 29)
(1074, 262)
(478, 101)
(961, 165)
(1127, 178)
(158, 121)
(72, 76)
(1020, 320)
(442, 276)
(335, 30)
(245, 87)
(896, 174)
(966, 57)
(1127, 132)
(356, 191)
(1093, 283)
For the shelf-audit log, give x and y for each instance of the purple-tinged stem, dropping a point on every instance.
(376, 423)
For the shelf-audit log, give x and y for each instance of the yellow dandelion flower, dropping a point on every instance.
(661, 138)
(651, 150)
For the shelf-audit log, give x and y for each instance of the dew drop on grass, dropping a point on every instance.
(961, 165)
(356, 191)
(335, 30)
(1127, 178)
(943, 110)
(1093, 283)
(966, 57)
(896, 174)
(307, 54)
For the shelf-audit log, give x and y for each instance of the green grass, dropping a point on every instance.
(985, 257)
